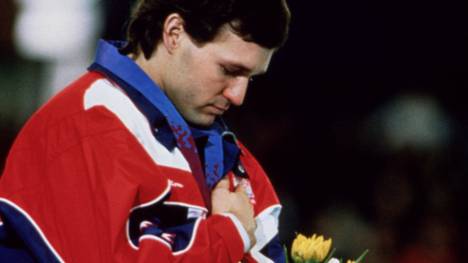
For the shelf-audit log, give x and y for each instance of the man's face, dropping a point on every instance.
(204, 81)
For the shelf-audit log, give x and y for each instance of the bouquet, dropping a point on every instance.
(316, 249)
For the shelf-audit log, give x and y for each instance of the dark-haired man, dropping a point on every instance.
(132, 162)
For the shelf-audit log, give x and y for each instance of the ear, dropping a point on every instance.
(173, 32)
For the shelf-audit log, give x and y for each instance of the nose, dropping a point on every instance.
(235, 92)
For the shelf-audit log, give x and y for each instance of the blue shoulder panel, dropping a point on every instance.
(274, 250)
(20, 240)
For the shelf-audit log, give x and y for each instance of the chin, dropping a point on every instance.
(202, 122)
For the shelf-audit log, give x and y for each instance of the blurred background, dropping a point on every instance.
(361, 122)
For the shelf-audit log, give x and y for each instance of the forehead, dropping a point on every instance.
(229, 48)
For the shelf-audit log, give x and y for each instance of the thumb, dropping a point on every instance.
(241, 189)
(223, 184)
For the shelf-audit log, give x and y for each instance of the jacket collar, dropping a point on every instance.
(168, 125)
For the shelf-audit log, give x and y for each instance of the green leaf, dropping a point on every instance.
(330, 255)
(362, 256)
(286, 253)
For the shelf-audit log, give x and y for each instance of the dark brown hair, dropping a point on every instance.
(264, 22)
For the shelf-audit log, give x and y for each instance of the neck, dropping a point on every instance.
(153, 67)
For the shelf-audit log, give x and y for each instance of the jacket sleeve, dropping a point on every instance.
(216, 240)
(267, 211)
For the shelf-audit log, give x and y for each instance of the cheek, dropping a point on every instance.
(208, 74)
(192, 96)
(202, 83)
(209, 84)
(189, 97)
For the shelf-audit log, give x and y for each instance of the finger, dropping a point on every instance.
(243, 184)
(241, 189)
(223, 184)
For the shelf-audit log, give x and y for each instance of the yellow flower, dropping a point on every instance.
(350, 261)
(313, 248)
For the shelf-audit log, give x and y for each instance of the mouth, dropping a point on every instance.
(218, 110)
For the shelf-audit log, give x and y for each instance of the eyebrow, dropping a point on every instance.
(242, 69)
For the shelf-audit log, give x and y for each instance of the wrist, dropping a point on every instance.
(248, 237)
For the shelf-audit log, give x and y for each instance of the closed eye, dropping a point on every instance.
(233, 72)
(236, 71)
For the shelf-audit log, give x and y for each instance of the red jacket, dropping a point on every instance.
(86, 182)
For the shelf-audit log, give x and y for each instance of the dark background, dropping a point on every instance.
(307, 121)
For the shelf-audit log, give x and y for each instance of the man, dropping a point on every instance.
(132, 162)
